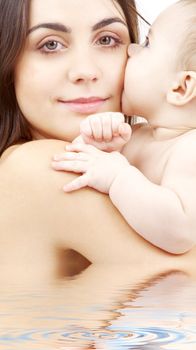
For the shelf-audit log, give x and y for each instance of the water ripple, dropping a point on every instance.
(135, 338)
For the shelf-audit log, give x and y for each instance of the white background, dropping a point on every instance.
(149, 9)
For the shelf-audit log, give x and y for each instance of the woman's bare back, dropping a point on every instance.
(38, 220)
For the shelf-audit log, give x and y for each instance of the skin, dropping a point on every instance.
(58, 67)
(77, 67)
(158, 57)
(39, 228)
(39, 220)
(167, 143)
(34, 249)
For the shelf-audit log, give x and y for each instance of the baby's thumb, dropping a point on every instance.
(125, 131)
(78, 139)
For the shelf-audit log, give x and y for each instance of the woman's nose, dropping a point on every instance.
(84, 70)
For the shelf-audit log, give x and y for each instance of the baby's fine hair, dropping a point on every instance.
(187, 58)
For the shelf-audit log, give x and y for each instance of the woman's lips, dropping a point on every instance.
(84, 105)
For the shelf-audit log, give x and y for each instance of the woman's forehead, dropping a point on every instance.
(73, 11)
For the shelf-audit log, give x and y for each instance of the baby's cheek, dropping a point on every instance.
(126, 106)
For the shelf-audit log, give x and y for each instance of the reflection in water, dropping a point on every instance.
(109, 308)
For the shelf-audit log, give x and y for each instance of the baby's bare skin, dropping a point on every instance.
(150, 175)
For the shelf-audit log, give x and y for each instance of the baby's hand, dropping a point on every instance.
(99, 169)
(106, 131)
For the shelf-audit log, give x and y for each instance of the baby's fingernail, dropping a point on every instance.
(66, 188)
(56, 157)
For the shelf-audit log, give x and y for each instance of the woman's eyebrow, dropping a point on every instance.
(62, 28)
(55, 26)
(107, 21)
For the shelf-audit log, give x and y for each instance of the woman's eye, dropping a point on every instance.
(109, 41)
(51, 46)
(146, 42)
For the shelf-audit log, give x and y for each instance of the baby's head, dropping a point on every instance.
(187, 48)
(163, 69)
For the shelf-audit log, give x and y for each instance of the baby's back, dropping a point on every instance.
(154, 153)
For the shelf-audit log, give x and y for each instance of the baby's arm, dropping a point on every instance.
(164, 214)
(106, 131)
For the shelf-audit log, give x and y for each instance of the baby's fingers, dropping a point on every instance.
(107, 128)
(79, 182)
(81, 148)
(96, 126)
(125, 131)
(85, 127)
(75, 166)
(92, 127)
(117, 119)
(78, 139)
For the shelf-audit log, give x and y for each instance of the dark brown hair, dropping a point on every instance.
(14, 22)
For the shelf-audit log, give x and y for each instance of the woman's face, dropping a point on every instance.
(72, 65)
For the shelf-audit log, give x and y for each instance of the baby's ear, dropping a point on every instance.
(183, 89)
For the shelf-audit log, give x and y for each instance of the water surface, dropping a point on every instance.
(105, 307)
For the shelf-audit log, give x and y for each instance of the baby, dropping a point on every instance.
(149, 172)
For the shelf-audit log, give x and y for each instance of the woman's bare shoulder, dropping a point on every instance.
(33, 148)
(31, 189)
(30, 164)
(33, 155)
